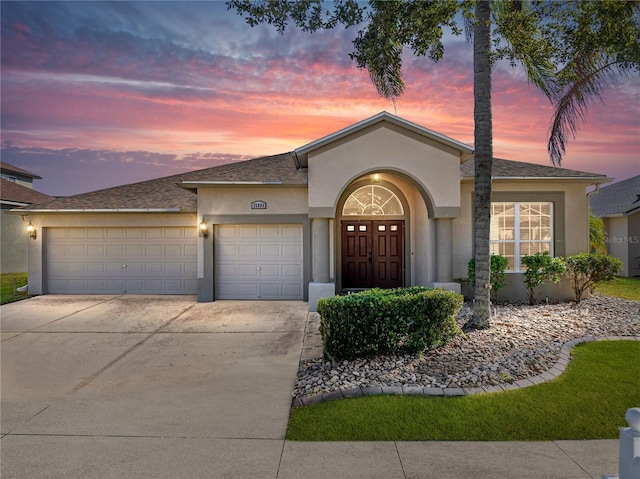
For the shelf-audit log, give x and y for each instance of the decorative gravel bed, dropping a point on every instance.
(523, 342)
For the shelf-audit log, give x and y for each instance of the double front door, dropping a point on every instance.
(372, 255)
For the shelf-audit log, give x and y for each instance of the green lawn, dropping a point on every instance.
(588, 401)
(6, 287)
(626, 288)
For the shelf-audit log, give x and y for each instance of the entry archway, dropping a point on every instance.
(371, 236)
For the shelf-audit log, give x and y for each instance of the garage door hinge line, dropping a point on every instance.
(89, 379)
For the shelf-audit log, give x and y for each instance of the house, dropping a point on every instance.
(16, 190)
(619, 207)
(382, 203)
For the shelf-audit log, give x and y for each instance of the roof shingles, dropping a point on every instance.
(167, 194)
(10, 191)
(618, 199)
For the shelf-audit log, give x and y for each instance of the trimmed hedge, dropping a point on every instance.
(383, 322)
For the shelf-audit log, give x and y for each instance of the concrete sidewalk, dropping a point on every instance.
(162, 387)
(120, 457)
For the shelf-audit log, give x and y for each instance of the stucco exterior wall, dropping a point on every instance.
(634, 244)
(571, 227)
(617, 229)
(435, 168)
(236, 200)
(14, 240)
(42, 221)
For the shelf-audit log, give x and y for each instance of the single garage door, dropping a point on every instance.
(258, 261)
(121, 260)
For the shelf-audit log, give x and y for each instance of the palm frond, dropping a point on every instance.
(588, 76)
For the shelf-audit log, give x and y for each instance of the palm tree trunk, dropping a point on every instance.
(483, 160)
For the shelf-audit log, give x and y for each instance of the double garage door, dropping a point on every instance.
(259, 261)
(250, 261)
(130, 260)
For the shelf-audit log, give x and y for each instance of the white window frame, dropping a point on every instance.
(516, 227)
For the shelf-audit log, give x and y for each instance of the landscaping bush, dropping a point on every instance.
(541, 267)
(496, 277)
(382, 322)
(587, 269)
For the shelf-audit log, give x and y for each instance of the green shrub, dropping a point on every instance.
(597, 243)
(496, 277)
(587, 269)
(382, 322)
(541, 267)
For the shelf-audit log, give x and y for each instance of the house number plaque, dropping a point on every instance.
(258, 205)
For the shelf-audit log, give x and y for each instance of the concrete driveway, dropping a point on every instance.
(146, 386)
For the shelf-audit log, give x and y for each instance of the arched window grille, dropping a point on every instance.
(372, 200)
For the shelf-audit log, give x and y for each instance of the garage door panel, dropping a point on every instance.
(96, 268)
(111, 233)
(74, 250)
(155, 268)
(291, 251)
(258, 261)
(95, 250)
(95, 285)
(247, 270)
(153, 250)
(114, 250)
(121, 260)
(133, 250)
(292, 290)
(292, 232)
(247, 251)
(134, 233)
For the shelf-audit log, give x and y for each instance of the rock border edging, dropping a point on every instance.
(555, 371)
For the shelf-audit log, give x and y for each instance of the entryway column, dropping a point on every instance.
(320, 285)
(320, 248)
(444, 255)
(444, 250)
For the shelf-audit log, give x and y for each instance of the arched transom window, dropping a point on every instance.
(372, 200)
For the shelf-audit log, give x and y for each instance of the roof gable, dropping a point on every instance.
(302, 153)
(8, 169)
(622, 198)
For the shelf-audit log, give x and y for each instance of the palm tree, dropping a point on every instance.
(483, 142)
(534, 35)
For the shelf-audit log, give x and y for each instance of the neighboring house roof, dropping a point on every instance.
(18, 195)
(302, 153)
(8, 169)
(619, 199)
(508, 169)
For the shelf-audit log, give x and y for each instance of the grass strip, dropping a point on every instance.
(625, 288)
(588, 401)
(7, 294)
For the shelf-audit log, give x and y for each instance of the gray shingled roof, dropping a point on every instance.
(10, 191)
(621, 198)
(166, 194)
(172, 192)
(519, 169)
(10, 169)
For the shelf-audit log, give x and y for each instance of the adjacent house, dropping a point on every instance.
(382, 203)
(16, 190)
(619, 207)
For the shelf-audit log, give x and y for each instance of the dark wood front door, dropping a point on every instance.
(372, 254)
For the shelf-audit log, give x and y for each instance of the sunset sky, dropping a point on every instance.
(98, 94)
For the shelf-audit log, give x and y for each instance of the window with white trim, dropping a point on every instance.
(519, 229)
